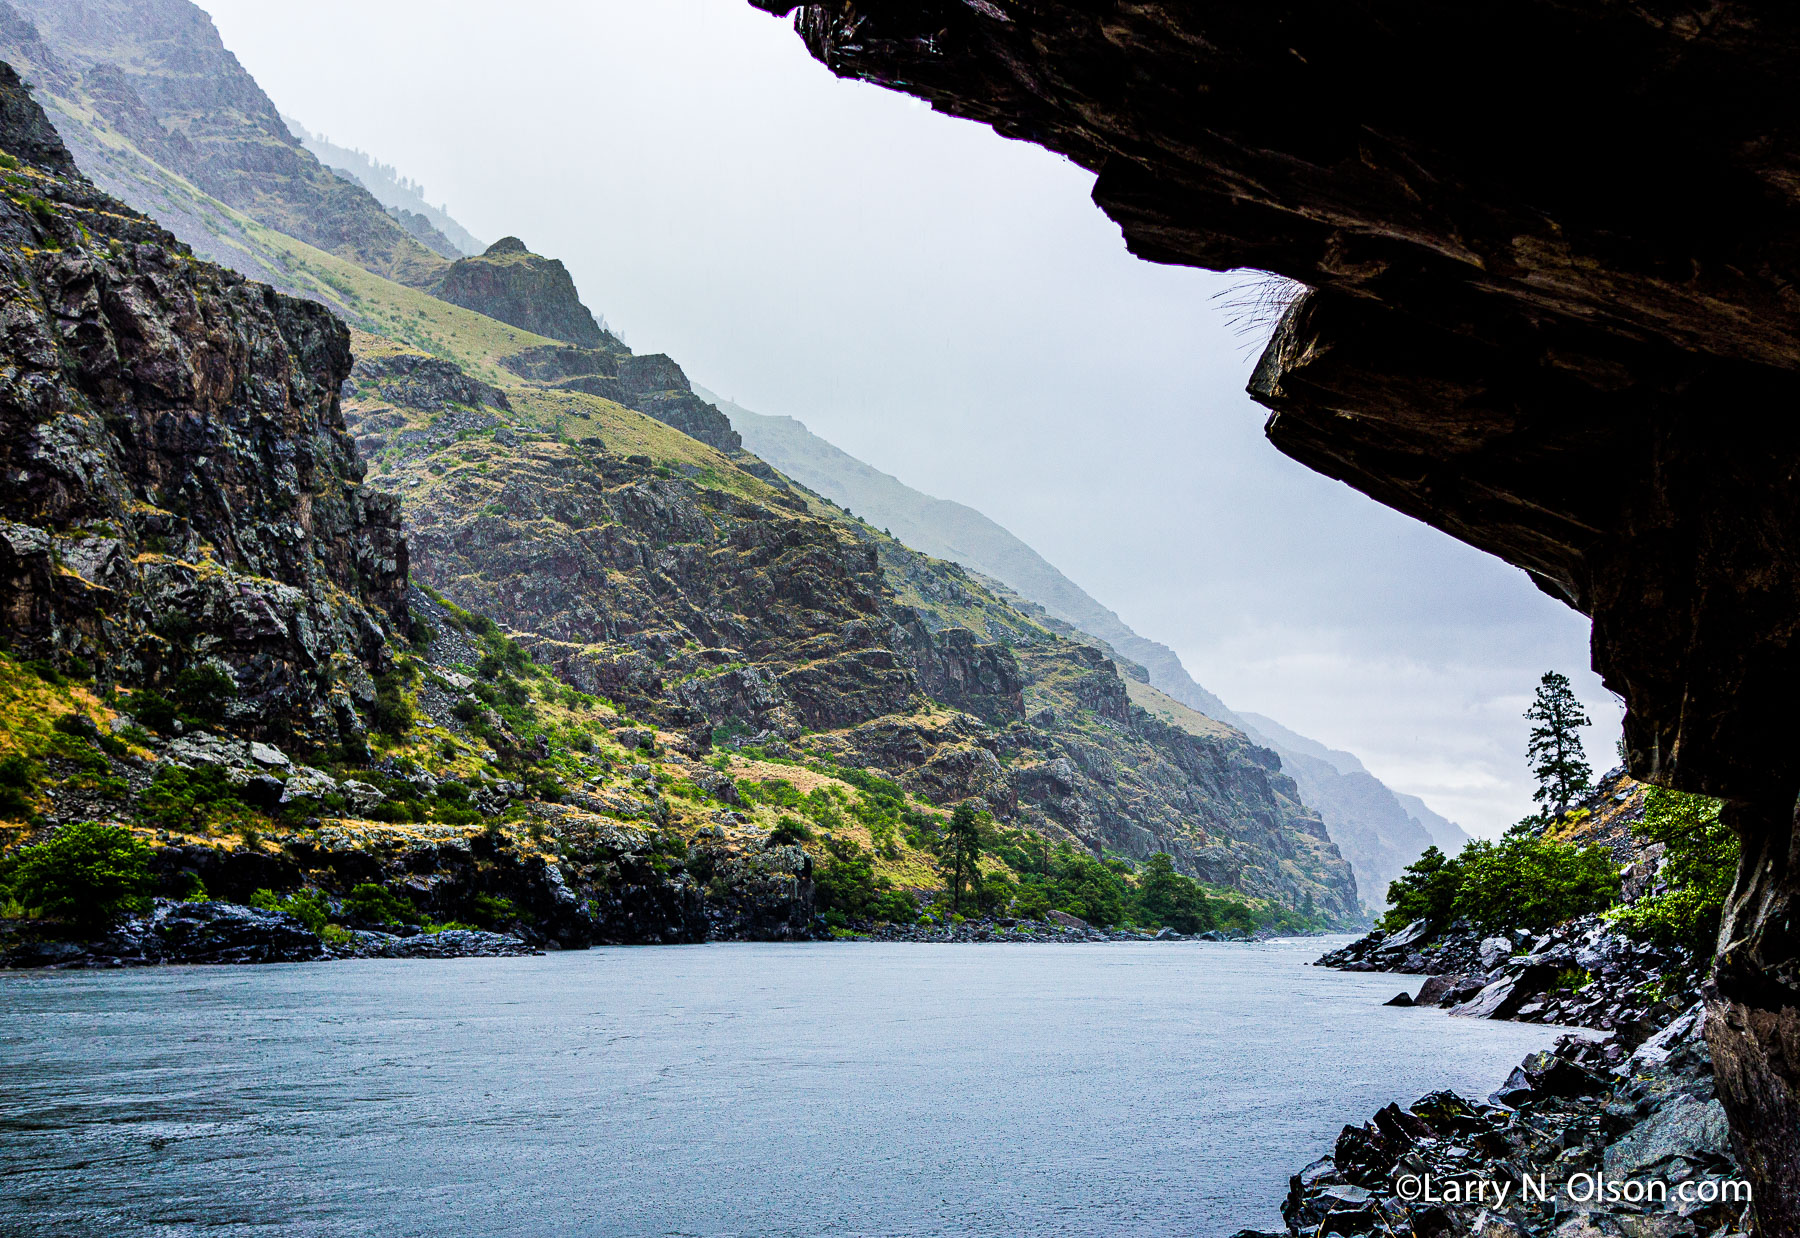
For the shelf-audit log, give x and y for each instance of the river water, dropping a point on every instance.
(843, 1089)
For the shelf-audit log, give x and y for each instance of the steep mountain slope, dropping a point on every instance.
(1379, 834)
(607, 511)
(162, 115)
(954, 531)
(401, 196)
(655, 570)
(199, 596)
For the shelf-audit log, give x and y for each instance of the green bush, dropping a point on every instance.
(1166, 897)
(789, 831)
(19, 776)
(307, 906)
(201, 693)
(154, 710)
(1425, 890)
(86, 873)
(848, 885)
(377, 905)
(192, 799)
(489, 910)
(1701, 861)
(1533, 883)
(393, 715)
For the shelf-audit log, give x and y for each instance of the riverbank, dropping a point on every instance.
(211, 932)
(1587, 1140)
(1579, 974)
(219, 932)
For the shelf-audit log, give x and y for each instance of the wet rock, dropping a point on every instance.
(1399, 999)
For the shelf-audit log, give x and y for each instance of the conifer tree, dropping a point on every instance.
(1558, 761)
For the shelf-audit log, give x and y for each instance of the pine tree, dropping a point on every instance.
(962, 851)
(1557, 760)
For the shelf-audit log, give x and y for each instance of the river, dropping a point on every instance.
(834, 1089)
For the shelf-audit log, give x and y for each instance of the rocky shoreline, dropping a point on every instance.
(1057, 926)
(211, 932)
(1580, 974)
(1623, 1144)
(1637, 1107)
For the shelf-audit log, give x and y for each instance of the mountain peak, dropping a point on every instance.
(505, 245)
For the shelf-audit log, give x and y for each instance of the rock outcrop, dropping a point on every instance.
(181, 495)
(514, 285)
(1526, 307)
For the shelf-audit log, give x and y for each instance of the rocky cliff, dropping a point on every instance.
(509, 282)
(1365, 818)
(181, 494)
(1527, 307)
(665, 574)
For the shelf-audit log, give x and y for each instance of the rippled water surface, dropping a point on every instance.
(852, 1089)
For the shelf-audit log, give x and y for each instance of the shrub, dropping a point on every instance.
(1166, 897)
(1533, 883)
(377, 905)
(192, 799)
(19, 776)
(154, 710)
(201, 693)
(86, 873)
(790, 830)
(848, 884)
(393, 714)
(489, 910)
(1701, 861)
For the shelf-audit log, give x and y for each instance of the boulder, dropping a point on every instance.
(1494, 951)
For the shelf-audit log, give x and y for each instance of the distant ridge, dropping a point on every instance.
(401, 196)
(1378, 830)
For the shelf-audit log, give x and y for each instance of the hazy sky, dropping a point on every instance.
(952, 308)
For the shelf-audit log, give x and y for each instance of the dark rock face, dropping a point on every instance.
(173, 932)
(1527, 309)
(652, 384)
(180, 487)
(516, 286)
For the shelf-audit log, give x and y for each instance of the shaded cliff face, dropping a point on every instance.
(1552, 250)
(180, 489)
(1523, 316)
(511, 283)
